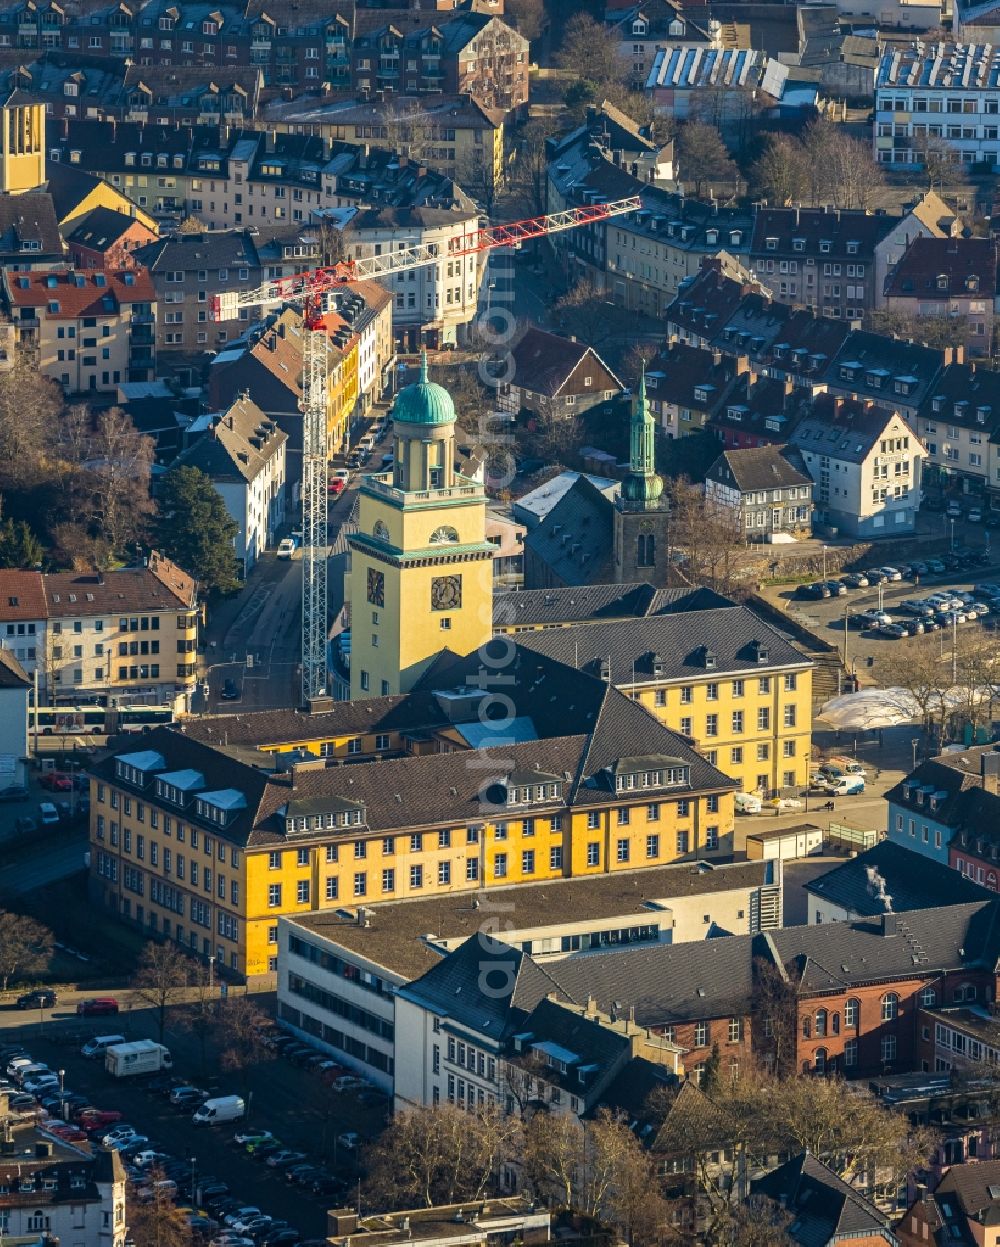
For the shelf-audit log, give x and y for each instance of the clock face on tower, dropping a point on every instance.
(446, 593)
(376, 587)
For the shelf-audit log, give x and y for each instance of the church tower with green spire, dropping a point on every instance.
(641, 513)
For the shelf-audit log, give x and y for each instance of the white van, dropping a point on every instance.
(223, 1108)
(99, 1045)
(747, 803)
(848, 786)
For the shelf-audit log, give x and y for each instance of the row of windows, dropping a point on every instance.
(341, 1008)
(335, 965)
(170, 826)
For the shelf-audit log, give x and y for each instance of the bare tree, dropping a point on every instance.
(781, 173)
(25, 946)
(161, 979)
(583, 312)
(708, 538)
(200, 1016)
(154, 1220)
(30, 407)
(440, 1155)
(620, 1182)
(935, 331)
(703, 157)
(242, 1025)
(775, 1013)
(590, 50)
(553, 1156)
(757, 1222)
(939, 158)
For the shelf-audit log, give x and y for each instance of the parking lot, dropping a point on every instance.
(306, 1115)
(864, 637)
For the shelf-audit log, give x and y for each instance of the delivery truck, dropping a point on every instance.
(144, 1056)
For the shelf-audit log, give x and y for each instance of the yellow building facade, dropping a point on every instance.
(421, 577)
(164, 855)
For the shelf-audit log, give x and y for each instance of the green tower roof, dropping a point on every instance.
(643, 484)
(424, 402)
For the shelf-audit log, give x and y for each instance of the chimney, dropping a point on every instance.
(889, 925)
(989, 771)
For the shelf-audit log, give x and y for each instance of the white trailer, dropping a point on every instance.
(144, 1056)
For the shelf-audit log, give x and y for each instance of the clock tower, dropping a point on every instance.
(421, 577)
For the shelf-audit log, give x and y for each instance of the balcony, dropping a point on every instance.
(143, 318)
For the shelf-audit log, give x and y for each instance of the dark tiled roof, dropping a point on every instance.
(951, 775)
(233, 249)
(676, 374)
(586, 1038)
(692, 1116)
(912, 881)
(676, 641)
(974, 1187)
(290, 727)
(942, 268)
(630, 1090)
(544, 362)
(483, 984)
(844, 430)
(764, 467)
(100, 229)
(239, 445)
(707, 302)
(824, 1207)
(574, 540)
(965, 395)
(814, 226)
(897, 357)
(590, 603)
(29, 218)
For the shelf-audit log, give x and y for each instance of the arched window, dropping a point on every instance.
(445, 535)
(890, 1007)
(645, 550)
(834, 1023)
(807, 1027)
(820, 1023)
(852, 1012)
(380, 532)
(819, 1061)
(928, 997)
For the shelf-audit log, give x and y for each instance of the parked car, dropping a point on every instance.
(98, 1007)
(814, 592)
(935, 567)
(876, 576)
(55, 781)
(14, 792)
(278, 1160)
(335, 486)
(286, 548)
(48, 814)
(891, 573)
(836, 588)
(230, 690)
(874, 618)
(785, 803)
(893, 631)
(243, 1137)
(40, 998)
(347, 1082)
(856, 580)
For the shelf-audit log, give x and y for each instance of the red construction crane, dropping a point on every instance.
(307, 291)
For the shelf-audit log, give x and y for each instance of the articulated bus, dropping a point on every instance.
(96, 720)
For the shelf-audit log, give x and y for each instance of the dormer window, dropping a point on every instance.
(982, 413)
(760, 652)
(712, 237)
(972, 284)
(942, 281)
(700, 394)
(639, 26)
(798, 244)
(937, 402)
(735, 237)
(852, 248)
(771, 244)
(709, 658)
(825, 245)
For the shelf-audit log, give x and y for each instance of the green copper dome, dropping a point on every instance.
(424, 402)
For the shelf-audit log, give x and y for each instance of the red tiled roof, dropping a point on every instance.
(22, 595)
(79, 293)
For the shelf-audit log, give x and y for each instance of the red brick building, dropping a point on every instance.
(106, 239)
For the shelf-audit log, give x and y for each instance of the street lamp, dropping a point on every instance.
(951, 544)
(194, 1162)
(211, 973)
(824, 562)
(913, 745)
(63, 1106)
(807, 783)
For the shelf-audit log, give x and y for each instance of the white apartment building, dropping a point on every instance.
(243, 455)
(432, 304)
(938, 91)
(865, 462)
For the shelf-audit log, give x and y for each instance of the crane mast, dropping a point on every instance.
(307, 290)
